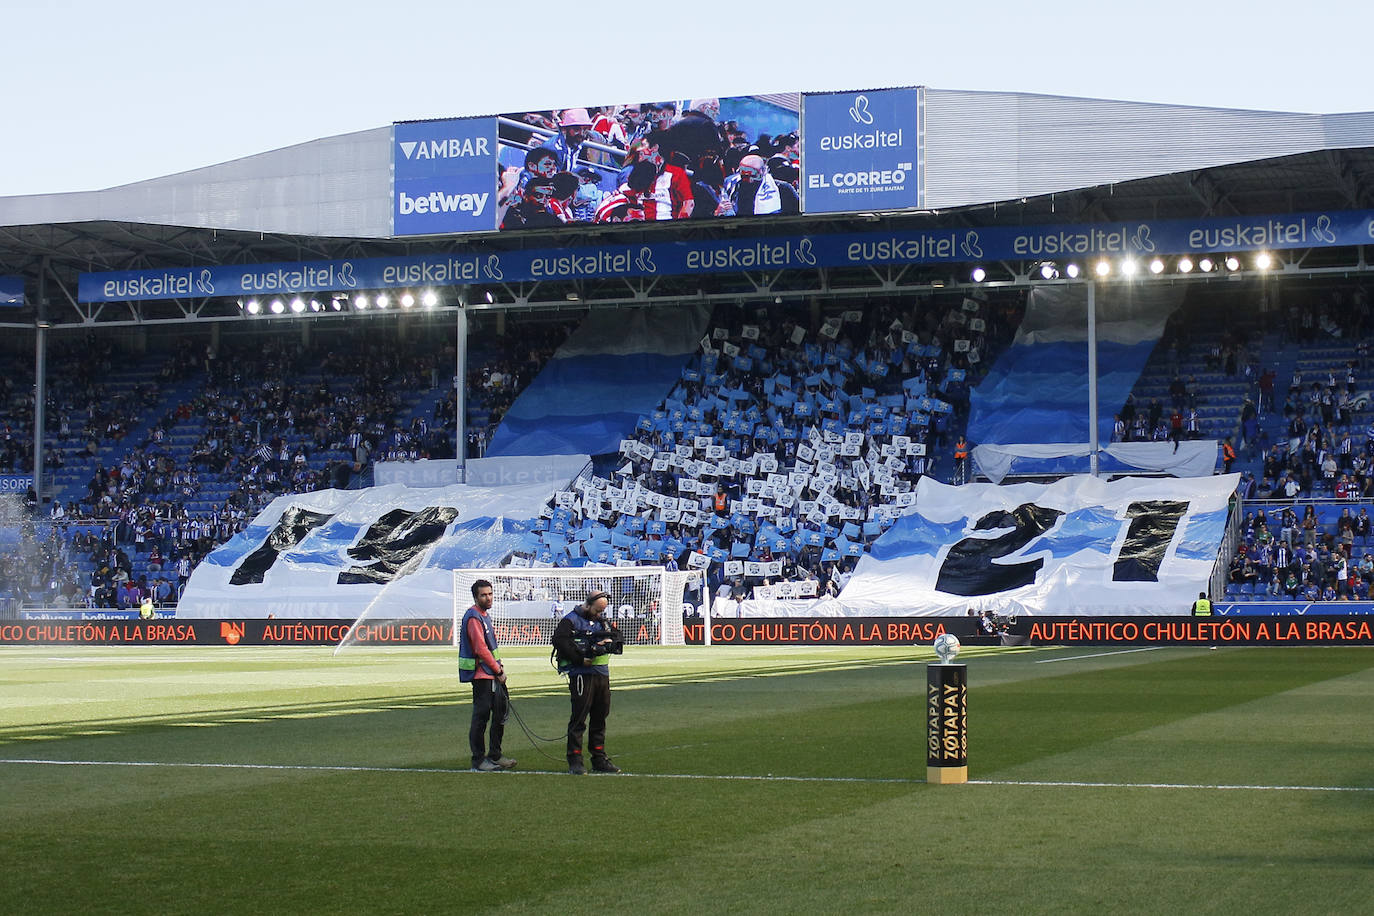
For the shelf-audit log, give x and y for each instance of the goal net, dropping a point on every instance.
(646, 602)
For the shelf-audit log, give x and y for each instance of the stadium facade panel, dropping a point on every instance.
(979, 148)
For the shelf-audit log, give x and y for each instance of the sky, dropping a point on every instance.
(99, 94)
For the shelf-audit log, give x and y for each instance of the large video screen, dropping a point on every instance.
(679, 159)
(649, 161)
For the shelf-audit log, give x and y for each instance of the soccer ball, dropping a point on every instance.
(946, 646)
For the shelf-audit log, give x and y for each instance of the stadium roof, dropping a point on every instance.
(990, 159)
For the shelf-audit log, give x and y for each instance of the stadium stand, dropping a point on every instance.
(177, 404)
(159, 456)
(876, 397)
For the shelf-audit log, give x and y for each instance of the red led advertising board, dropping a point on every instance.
(1353, 630)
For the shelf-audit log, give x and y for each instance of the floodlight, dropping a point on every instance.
(298, 305)
(490, 298)
(254, 307)
(1156, 266)
(1048, 271)
(1072, 270)
(1206, 265)
(278, 306)
(979, 275)
(360, 302)
(1263, 260)
(1232, 262)
(1129, 267)
(1103, 268)
(407, 300)
(1185, 265)
(383, 300)
(430, 299)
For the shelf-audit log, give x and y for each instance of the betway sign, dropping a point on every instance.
(442, 180)
(1325, 229)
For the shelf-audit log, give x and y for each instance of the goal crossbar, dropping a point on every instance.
(646, 602)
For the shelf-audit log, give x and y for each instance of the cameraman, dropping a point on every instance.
(585, 643)
(479, 664)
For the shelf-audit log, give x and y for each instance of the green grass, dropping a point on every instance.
(854, 827)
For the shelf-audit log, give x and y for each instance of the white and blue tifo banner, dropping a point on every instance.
(332, 553)
(862, 151)
(1193, 458)
(1080, 546)
(555, 470)
(618, 365)
(1329, 229)
(1037, 390)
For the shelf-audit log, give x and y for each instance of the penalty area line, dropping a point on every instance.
(723, 777)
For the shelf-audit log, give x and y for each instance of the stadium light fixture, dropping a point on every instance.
(1206, 265)
(1185, 265)
(383, 300)
(1232, 262)
(254, 307)
(1156, 266)
(430, 299)
(360, 302)
(407, 300)
(490, 298)
(1103, 268)
(978, 275)
(1048, 271)
(278, 306)
(337, 303)
(315, 305)
(297, 305)
(1072, 270)
(1129, 267)
(1264, 260)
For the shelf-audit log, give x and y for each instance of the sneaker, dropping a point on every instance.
(505, 763)
(485, 766)
(604, 765)
(575, 768)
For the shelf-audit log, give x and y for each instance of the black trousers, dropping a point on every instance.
(488, 704)
(591, 703)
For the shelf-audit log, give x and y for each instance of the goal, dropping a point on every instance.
(646, 602)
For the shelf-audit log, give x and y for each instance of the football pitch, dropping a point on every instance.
(780, 780)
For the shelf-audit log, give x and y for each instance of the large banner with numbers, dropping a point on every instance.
(1079, 546)
(332, 553)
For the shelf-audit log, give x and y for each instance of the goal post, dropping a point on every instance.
(646, 602)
